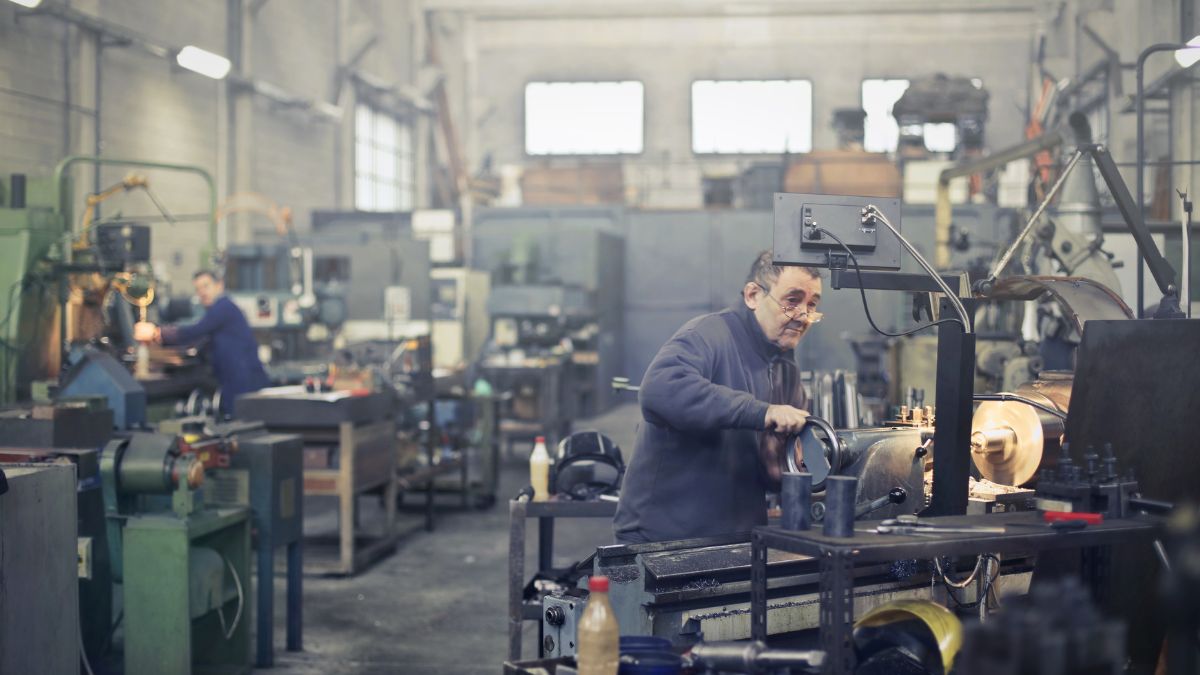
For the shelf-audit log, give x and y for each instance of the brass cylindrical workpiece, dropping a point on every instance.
(1011, 440)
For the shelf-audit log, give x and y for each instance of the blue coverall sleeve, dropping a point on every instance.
(678, 391)
(215, 317)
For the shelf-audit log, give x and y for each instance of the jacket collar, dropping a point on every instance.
(762, 346)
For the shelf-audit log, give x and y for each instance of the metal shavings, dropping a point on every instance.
(701, 584)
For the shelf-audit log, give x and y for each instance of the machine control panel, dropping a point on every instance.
(804, 223)
(816, 215)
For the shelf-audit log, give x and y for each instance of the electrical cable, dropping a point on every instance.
(1020, 399)
(112, 632)
(863, 293)
(872, 211)
(237, 617)
(937, 565)
(987, 591)
(82, 653)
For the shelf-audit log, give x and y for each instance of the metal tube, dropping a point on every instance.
(1141, 151)
(944, 211)
(796, 501)
(63, 206)
(840, 495)
(1185, 290)
(1012, 249)
(951, 296)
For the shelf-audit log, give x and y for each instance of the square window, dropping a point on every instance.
(583, 118)
(751, 116)
(383, 161)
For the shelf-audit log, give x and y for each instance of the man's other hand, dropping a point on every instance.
(785, 419)
(144, 331)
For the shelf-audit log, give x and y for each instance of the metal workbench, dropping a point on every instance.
(546, 512)
(350, 449)
(552, 416)
(839, 557)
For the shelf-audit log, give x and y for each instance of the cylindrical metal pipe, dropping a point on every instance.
(1185, 282)
(840, 495)
(796, 501)
(1078, 208)
(1140, 159)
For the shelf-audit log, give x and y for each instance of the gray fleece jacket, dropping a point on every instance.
(697, 468)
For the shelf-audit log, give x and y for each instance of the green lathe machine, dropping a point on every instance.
(185, 566)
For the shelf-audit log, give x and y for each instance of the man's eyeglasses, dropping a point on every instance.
(794, 312)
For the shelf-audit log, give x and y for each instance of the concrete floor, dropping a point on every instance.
(439, 603)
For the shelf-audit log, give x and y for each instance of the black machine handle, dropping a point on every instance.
(896, 495)
(1156, 506)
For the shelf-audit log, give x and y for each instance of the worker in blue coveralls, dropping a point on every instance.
(719, 401)
(230, 345)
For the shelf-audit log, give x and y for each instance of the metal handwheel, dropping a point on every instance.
(818, 449)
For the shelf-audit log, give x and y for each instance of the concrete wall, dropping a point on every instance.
(33, 117)
(667, 46)
(54, 83)
(835, 51)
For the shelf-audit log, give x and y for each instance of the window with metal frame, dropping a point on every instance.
(384, 165)
(751, 116)
(584, 118)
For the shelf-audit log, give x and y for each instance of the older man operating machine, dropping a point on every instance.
(718, 402)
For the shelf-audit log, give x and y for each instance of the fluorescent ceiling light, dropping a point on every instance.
(28, 3)
(1188, 57)
(204, 62)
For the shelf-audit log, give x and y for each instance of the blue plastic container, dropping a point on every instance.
(648, 655)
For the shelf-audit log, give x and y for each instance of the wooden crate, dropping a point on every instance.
(583, 184)
(843, 172)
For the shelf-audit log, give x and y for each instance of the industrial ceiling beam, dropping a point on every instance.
(554, 9)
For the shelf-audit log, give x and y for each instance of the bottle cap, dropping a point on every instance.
(539, 439)
(598, 584)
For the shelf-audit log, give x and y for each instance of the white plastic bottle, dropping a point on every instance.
(598, 636)
(539, 470)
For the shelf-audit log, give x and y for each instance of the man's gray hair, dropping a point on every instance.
(765, 272)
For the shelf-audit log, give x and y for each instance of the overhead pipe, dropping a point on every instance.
(944, 211)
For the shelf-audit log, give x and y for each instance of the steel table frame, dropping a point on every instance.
(838, 558)
(546, 512)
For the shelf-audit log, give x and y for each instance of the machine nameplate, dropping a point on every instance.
(287, 498)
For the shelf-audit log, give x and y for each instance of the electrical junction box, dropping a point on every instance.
(798, 241)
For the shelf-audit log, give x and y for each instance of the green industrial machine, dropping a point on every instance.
(265, 472)
(41, 253)
(185, 566)
(32, 232)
